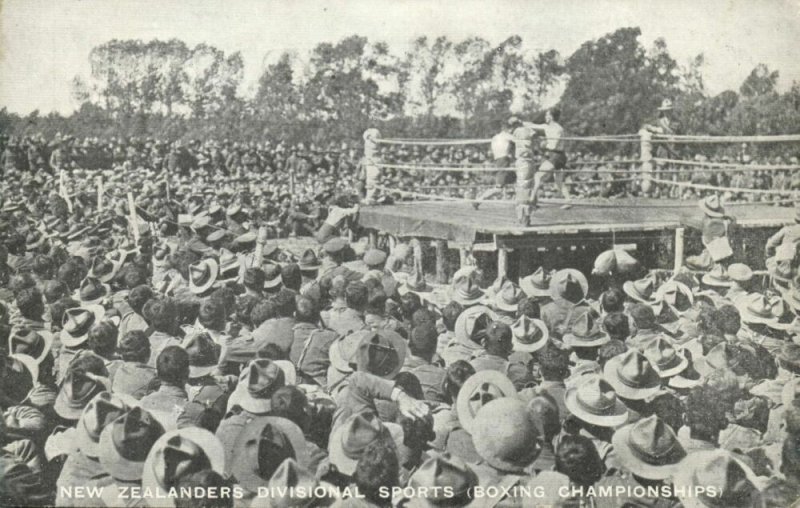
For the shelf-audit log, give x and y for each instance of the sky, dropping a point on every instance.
(44, 44)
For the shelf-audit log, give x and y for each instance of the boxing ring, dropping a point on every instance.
(571, 232)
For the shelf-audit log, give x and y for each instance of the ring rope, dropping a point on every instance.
(673, 138)
(772, 192)
(621, 138)
(728, 166)
(710, 167)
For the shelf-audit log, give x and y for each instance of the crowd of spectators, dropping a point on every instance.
(188, 355)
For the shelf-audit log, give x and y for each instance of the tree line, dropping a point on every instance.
(437, 88)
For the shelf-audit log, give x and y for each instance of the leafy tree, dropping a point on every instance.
(615, 84)
(761, 81)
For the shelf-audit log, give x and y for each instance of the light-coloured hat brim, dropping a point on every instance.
(629, 289)
(530, 290)
(71, 341)
(684, 383)
(672, 371)
(196, 371)
(289, 371)
(337, 456)
(460, 331)
(115, 464)
(574, 341)
(496, 378)
(534, 346)
(30, 364)
(583, 282)
(684, 479)
(633, 463)
(622, 389)
(242, 398)
(271, 284)
(46, 336)
(85, 303)
(467, 301)
(709, 280)
(213, 267)
(503, 306)
(210, 445)
(618, 417)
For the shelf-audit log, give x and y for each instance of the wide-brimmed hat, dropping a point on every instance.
(505, 435)
(719, 358)
(263, 444)
(349, 440)
(675, 294)
(309, 262)
(648, 448)
(76, 323)
(664, 358)
(614, 261)
(179, 452)
(35, 344)
(478, 390)
(594, 400)
(245, 239)
(632, 376)
(642, 290)
(711, 206)
(447, 477)
(465, 289)
(734, 483)
(161, 254)
(203, 352)
(415, 283)
(666, 105)
(569, 284)
(536, 284)
(374, 258)
(586, 331)
(272, 275)
(202, 275)
(755, 309)
(529, 335)
(381, 352)
(470, 321)
(34, 240)
(740, 272)
(717, 277)
(508, 297)
(77, 390)
(103, 409)
(105, 269)
(301, 487)
(125, 443)
(344, 351)
(228, 265)
(91, 291)
(257, 382)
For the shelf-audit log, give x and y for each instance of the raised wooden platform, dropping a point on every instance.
(625, 219)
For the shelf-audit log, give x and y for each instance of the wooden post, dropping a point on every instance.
(371, 170)
(134, 218)
(62, 189)
(678, 249)
(646, 154)
(441, 261)
(99, 182)
(463, 255)
(502, 262)
(261, 239)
